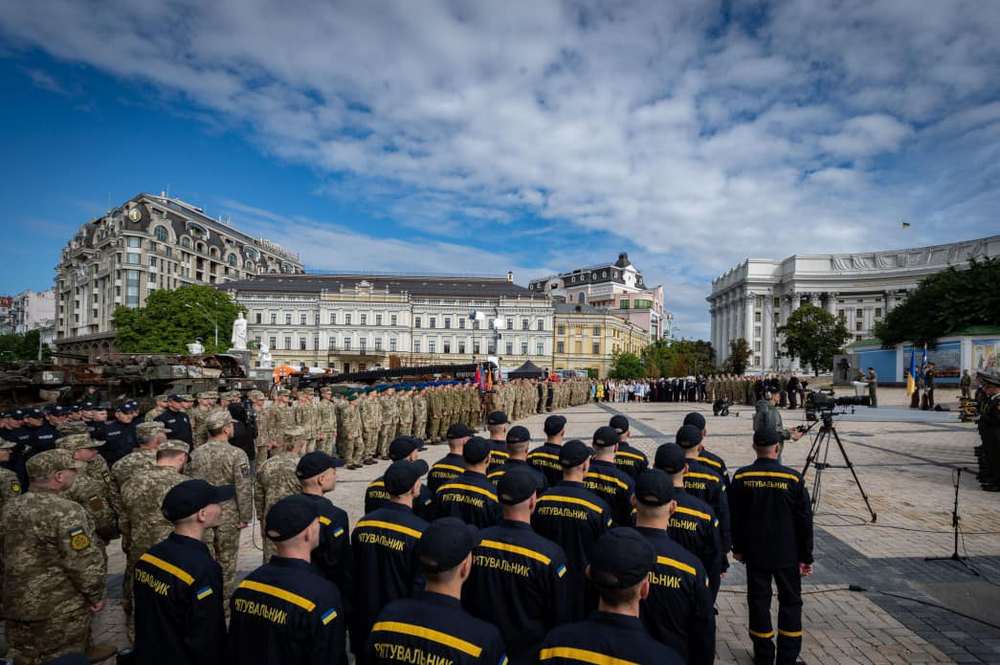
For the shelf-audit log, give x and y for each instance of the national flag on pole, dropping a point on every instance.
(479, 378)
(911, 380)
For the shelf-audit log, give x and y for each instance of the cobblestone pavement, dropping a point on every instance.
(906, 468)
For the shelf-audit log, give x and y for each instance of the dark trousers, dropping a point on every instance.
(915, 399)
(792, 396)
(789, 632)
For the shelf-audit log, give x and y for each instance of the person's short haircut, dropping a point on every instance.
(517, 446)
(619, 596)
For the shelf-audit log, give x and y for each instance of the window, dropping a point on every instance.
(461, 323)
(447, 323)
(274, 318)
(477, 347)
(363, 344)
(510, 323)
(859, 325)
(842, 315)
(756, 346)
(510, 348)
(392, 320)
(378, 319)
(333, 318)
(288, 342)
(432, 346)
(288, 318)
(169, 251)
(756, 317)
(525, 324)
(185, 242)
(461, 346)
(432, 322)
(302, 343)
(133, 243)
(378, 343)
(596, 332)
(540, 324)
(416, 346)
(347, 318)
(539, 348)
(231, 260)
(595, 348)
(302, 318)
(364, 319)
(475, 325)
(131, 288)
(392, 344)
(446, 347)
(258, 318)
(642, 304)
(132, 259)
(152, 261)
(878, 312)
(316, 342)
(524, 348)
(347, 343)
(623, 304)
(272, 342)
(560, 330)
(416, 322)
(859, 313)
(492, 324)
(492, 348)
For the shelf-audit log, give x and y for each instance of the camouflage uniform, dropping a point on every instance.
(142, 521)
(92, 488)
(10, 486)
(277, 418)
(420, 414)
(349, 441)
(220, 463)
(199, 417)
(371, 424)
(435, 413)
(275, 480)
(404, 403)
(327, 409)
(306, 416)
(155, 412)
(390, 422)
(49, 547)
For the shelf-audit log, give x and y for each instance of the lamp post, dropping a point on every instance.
(209, 317)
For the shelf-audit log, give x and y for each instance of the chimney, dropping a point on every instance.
(510, 277)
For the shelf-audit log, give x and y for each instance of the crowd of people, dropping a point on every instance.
(497, 551)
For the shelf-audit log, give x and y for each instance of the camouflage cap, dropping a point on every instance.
(150, 428)
(989, 376)
(208, 394)
(186, 397)
(255, 394)
(48, 462)
(295, 433)
(174, 445)
(218, 419)
(78, 441)
(229, 394)
(73, 427)
(325, 390)
(306, 391)
(162, 397)
(283, 392)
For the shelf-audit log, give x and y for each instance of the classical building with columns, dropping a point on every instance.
(757, 296)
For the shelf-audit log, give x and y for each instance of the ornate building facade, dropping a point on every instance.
(148, 243)
(587, 338)
(757, 296)
(353, 322)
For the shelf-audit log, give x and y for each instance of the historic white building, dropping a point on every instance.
(757, 296)
(353, 322)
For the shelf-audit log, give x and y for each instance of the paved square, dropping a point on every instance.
(907, 469)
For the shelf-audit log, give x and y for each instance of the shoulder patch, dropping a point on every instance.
(245, 470)
(203, 593)
(78, 540)
(15, 487)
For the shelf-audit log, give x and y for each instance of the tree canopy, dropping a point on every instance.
(944, 303)
(22, 347)
(626, 366)
(814, 336)
(173, 319)
(739, 356)
(679, 358)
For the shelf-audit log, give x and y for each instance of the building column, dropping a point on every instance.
(748, 322)
(831, 303)
(767, 334)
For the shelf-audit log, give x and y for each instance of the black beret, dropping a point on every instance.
(476, 450)
(654, 488)
(688, 436)
(696, 419)
(459, 431)
(496, 418)
(314, 463)
(445, 544)
(621, 558)
(619, 422)
(290, 516)
(574, 453)
(402, 446)
(401, 475)
(670, 458)
(518, 434)
(767, 437)
(606, 436)
(516, 485)
(190, 496)
(554, 425)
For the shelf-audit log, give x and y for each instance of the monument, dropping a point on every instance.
(239, 336)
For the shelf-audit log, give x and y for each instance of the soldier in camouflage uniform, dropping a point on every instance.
(161, 406)
(92, 487)
(306, 417)
(371, 424)
(150, 435)
(276, 479)
(327, 409)
(220, 463)
(208, 402)
(349, 439)
(436, 413)
(390, 421)
(49, 547)
(10, 486)
(278, 417)
(142, 522)
(420, 414)
(404, 404)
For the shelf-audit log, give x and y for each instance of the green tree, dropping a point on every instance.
(945, 302)
(679, 358)
(22, 347)
(814, 336)
(173, 319)
(626, 366)
(739, 356)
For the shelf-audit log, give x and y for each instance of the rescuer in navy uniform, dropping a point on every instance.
(545, 458)
(773, 536)
(408, 448)
(286, 611)
(471, 497)
(317, 472)
(702, 481)
(382, 547)
(693, 523)
(606, 480)
(574, 518)
(177, 423)
(628, 459)
(678, 610)
(716, 463)
(518, 579)
(179, 616)
(452, 465)
(432, 627)
(620, 566)
(518, 438)
(119, 434)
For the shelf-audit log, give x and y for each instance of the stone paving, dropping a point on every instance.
(907, 469)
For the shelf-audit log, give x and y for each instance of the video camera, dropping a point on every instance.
(820, 404)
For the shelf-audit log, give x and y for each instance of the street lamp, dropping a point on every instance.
(209, 317)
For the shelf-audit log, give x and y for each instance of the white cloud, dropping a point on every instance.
(809, 126)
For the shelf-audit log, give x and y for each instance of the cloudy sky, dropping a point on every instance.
(477, 137)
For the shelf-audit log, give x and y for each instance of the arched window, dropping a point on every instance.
(231, 260)
(186, 242)
(200, 247)
(160, 233)
(214, 252)
(581, 298)
(248, 266)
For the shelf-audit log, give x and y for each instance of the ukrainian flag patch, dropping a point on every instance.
(561, 570)
(329, 616)
(339, 532)
(204, 593)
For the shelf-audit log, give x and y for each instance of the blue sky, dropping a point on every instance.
(481, 137)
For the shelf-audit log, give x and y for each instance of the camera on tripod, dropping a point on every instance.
(821, 404)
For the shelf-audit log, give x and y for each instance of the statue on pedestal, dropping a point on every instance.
(239, 336)
(264, 356)
(196, 348)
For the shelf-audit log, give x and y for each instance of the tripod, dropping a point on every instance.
(818, 455)
(955, 521)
